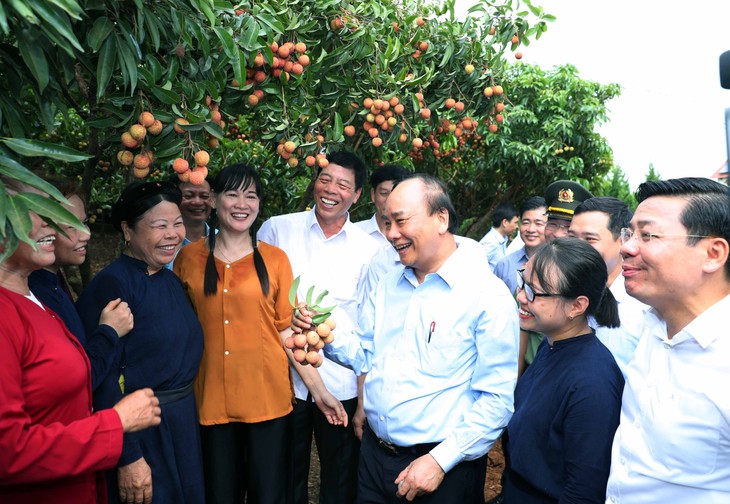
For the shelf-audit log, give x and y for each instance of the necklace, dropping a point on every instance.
(240, 254)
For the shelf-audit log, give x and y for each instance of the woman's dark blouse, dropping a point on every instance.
(162, 352)
(567, 407)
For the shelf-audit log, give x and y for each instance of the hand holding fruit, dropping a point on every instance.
(312, 328)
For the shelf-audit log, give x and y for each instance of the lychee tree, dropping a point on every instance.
(303, 74)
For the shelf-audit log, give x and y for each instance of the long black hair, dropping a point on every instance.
(570, 267)
(232, 178)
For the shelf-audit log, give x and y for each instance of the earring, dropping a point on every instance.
(571, 317)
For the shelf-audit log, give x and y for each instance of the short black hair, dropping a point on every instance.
(581, 271)
(532, 204)
(707, 212)
(503, 211)
(394, 172)
(619, 214)
(138, 197)
(437, 197)
(350, 161)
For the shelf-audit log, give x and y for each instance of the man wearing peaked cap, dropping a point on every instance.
(562, 197)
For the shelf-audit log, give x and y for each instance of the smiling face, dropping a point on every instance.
(334, 193)
(665, 270)
(417, 236)
(556, 228)
(237, 209)
(71, 250)
(545, 314)
(592, 228)
(532, 227)
(157, 236)
(196, 202)
(25, 260)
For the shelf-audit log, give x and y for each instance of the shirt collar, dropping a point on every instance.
(703, 329)
(452, 269)
(313, 223)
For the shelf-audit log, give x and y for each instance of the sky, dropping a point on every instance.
(665, 56)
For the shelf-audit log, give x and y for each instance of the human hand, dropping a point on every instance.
(135, 483)
(358, 420)
(422, 476)
(301, 319)
(118, 316)
(332, 408)
(139, 410)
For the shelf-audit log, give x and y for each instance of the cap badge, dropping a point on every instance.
(565, 196)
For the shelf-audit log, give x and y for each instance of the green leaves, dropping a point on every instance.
(16, 206)
(34, 148)
(322, 313)
(293, 292)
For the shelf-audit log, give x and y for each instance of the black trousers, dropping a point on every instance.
(464, 484)
(245, 462)
(338, 449)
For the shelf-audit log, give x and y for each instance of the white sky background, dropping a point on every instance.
(665, 55)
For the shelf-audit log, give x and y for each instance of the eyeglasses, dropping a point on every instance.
(530, 293)
(554, 226)
(643, 237)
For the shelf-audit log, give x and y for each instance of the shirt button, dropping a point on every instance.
(637, 423)
(226, 352)
(666, 346)
(225, 290)
(382, 417)
(623, 461)
(228, 266)
(225, 322)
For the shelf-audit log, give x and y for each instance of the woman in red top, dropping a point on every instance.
(51, 443)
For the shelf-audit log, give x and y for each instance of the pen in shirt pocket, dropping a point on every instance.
(431, 330)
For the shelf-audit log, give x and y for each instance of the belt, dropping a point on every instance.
(393, 449)
(168, 396)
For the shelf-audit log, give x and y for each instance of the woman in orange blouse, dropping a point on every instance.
(239, 290)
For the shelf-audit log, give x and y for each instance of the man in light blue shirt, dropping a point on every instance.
(532, 232)
(438, 341)
(504, 224)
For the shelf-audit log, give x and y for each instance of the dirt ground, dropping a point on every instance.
(104, 247)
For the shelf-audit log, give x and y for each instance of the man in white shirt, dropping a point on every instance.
(381, 183)
(330, 252)
(673, 442)
(504, 223)
(438, 341)
(599, 221)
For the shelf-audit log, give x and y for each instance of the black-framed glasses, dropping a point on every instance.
(628, 234)
(530, 293)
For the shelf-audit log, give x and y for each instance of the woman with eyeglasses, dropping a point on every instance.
(567, 404)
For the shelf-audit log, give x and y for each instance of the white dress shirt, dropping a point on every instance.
(673, 442)
(441, 357)
(496, 246)
(337, 264)
(370, 226)
(622, 340)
